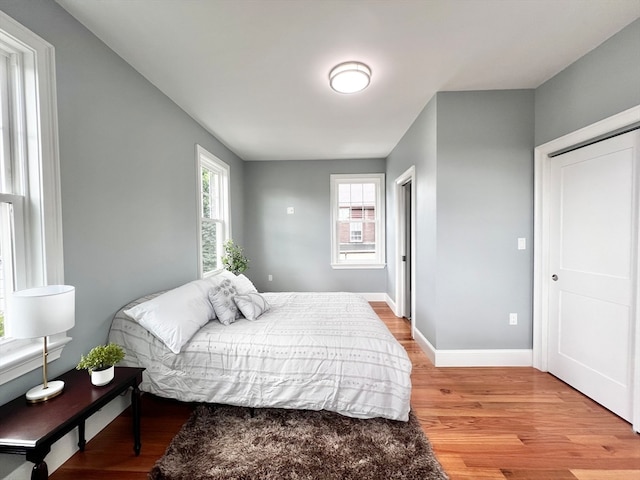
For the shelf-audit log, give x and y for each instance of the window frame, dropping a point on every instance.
(38, 207)
(380, 258)
(205, 159)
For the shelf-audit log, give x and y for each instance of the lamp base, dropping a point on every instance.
(41, 394)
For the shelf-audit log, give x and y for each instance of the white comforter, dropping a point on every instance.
(315, 351)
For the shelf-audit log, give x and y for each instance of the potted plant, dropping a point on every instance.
(233, 259)
(100, 361)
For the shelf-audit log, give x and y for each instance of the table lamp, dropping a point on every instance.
(40, 312)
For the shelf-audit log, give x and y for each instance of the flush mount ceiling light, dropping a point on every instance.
(349, 77)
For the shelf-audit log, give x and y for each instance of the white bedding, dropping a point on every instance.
(315, 351)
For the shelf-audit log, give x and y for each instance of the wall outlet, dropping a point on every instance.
(270, 278)
(291, 210)
(513, 319)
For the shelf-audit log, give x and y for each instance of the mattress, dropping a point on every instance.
(315, 351)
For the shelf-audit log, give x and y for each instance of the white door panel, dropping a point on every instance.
(592, 250)
(603, 330)
(604, 184)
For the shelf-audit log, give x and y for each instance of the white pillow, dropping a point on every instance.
(176, 315)
(221, 297)
(244, 285)
(252, 305)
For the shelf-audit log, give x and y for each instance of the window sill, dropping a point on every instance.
(355, 266)
(23, 360)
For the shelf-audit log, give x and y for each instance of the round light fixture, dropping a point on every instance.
(350, 77)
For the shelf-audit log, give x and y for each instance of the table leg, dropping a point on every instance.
(135, 409)
(81, 440)
(40, 471)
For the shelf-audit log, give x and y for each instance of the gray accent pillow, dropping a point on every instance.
(252, 305)
(221, 297)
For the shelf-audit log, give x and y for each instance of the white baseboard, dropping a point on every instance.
(14, 467)
(391, 303)
(474, 358)
(374, 297)
(484, 358)
(425, 345)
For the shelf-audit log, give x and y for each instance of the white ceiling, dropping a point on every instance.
(255, 72)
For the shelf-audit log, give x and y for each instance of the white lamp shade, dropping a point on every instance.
(42, 311)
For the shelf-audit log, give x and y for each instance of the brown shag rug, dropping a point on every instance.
(227, 443)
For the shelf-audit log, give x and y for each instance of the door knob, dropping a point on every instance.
(554, 277)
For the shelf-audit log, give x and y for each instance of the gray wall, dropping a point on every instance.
(417, 147)
(474, 183)
(128, 181)
(296, 249)
(484, 203)
(604, 82)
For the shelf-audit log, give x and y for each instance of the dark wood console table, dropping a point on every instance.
(31, 429)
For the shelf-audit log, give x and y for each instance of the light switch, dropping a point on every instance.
(522, 244)
(290, 211)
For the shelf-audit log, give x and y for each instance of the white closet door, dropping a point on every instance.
(593, 253)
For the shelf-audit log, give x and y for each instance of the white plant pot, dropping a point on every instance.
(102, 377)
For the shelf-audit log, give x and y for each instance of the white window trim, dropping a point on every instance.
(209, 160)
(18, 357)
(379, 180)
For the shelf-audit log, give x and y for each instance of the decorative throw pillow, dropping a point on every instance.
(252, 305)
(175, 316)
(244, 285)
(221, 297)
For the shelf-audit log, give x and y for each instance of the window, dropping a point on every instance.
(30, 208)
(355, 232)
(357, 221)
(214, 227)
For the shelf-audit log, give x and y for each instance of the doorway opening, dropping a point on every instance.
(405, 245)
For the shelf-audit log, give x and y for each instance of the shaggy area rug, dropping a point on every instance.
(228, 443)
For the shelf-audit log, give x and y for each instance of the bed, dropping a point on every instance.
(315, 351)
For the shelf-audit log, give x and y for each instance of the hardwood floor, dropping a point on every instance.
(483, 423)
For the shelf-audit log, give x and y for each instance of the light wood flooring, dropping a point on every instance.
(483, 423)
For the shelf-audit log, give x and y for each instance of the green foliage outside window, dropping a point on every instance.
(209, 246)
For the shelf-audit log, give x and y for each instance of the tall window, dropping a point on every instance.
(214, 225)
(30, 207)
(357, 221)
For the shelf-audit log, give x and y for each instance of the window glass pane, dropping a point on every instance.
(210, 246)
(369, 193)
(5, 129)
(6, 260)
(215, 195)
(206, 193)
(211, 189)
(344, 194)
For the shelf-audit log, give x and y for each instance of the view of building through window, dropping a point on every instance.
(357, 221)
